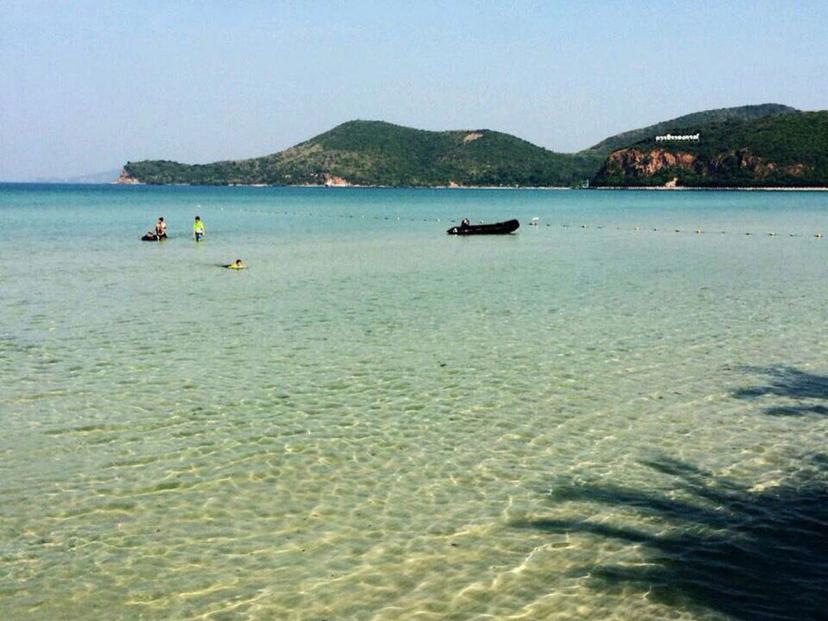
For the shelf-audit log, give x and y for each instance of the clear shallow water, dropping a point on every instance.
(589, 419)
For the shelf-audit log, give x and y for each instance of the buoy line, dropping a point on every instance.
(534, 224)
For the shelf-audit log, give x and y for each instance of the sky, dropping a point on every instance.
(86, 86)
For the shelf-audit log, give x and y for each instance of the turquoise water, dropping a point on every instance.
(606, 416)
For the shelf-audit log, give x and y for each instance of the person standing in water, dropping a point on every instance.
(198, 229)
(161, 229)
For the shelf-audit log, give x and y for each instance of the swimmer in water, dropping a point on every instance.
(238, 264)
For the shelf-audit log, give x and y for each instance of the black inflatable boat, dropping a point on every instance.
(497, 228)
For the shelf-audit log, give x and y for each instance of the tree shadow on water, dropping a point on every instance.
(807, 391)
(751, 555)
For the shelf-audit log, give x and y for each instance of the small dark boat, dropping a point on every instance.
(497, 228)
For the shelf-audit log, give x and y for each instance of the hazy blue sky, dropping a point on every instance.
(86, 86)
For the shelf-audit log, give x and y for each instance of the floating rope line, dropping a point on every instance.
(533, 224)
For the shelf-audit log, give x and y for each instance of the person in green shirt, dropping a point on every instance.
(198, 229)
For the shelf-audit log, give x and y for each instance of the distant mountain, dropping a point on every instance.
(787, 150)
(696, 119)
(375, 153)
(754, 145)
(108, 176)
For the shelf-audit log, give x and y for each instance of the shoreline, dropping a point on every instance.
(661, 188)
(493, 187)
(447, 187)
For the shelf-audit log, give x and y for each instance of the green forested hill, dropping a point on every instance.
(768, 144)
(696, 119)
(789, 150)
(378, 153)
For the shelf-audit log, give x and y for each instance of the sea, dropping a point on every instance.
(619, 412)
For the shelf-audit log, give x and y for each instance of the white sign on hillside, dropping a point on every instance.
(685, 137)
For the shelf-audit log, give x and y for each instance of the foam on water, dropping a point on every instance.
(589, 419)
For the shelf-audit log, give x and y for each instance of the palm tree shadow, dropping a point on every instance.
(751, 555)
(805, 393)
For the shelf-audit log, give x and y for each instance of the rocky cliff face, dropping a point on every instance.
(125, 179)
(637, 163)
(332, 181)
(654, 166)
